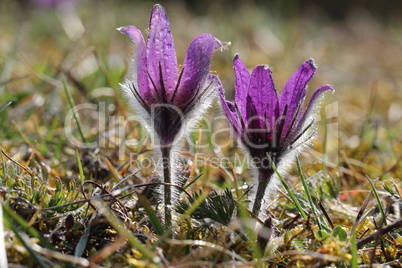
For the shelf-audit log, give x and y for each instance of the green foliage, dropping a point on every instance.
(220, 208)
(340, 233)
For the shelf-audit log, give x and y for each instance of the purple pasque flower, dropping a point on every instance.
(269, 127)
(166, 94)
(169, 99)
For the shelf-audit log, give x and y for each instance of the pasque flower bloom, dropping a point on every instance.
(269, 127)
(168, 98)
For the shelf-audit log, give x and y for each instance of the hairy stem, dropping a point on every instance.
(264, 177)
(167, 190)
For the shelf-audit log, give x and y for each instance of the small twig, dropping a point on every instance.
(312, 254)
(396, 263)
(59, 256)
(379, 233)
(18, 164)
(11, 79)
(108, 250)
(5, 106)
(21, 133)
(206, 244)
(331, 224)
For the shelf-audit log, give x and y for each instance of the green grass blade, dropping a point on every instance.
(151, 214)
(81, 170)
(191, 182)
(51, 130)
(249, 230)
(17, 233)
(5, 106)
(287, 188)
(72, 106)
(380, 207)
(353, 247)
(196, 204)
(81, 245)
(306, 189)
(9, 214)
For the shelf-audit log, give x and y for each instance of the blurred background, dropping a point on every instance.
(357, 46)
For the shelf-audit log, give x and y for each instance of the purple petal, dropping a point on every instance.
(242, 82)
(313, 104)
(230, 112)
(196, 67)
(294, 92)
(263, 97)
(161, 53)
(140, 77)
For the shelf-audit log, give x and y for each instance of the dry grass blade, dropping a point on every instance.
(308, 255)
(105, 252)
(11, 79)
(5, 106)
(398, 190)
(18, 164)
(379, 233)
(122, 229)
(201, 243)
(59, 256)
(360, 217)
(327, 217)
(112, 169)
(364, 206)
(26, 140)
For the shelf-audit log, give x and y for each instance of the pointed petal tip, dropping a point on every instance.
(328, 87)
(124, 29)
(217, 84)
(132, 32)
(321, 90)
(128, 29)
(218, 45)
(262, 67)
(238, 61)
(159, 17)
(311, 63)
(158, 8)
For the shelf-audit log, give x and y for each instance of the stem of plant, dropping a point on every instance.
(264, 178)
(167, 190)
